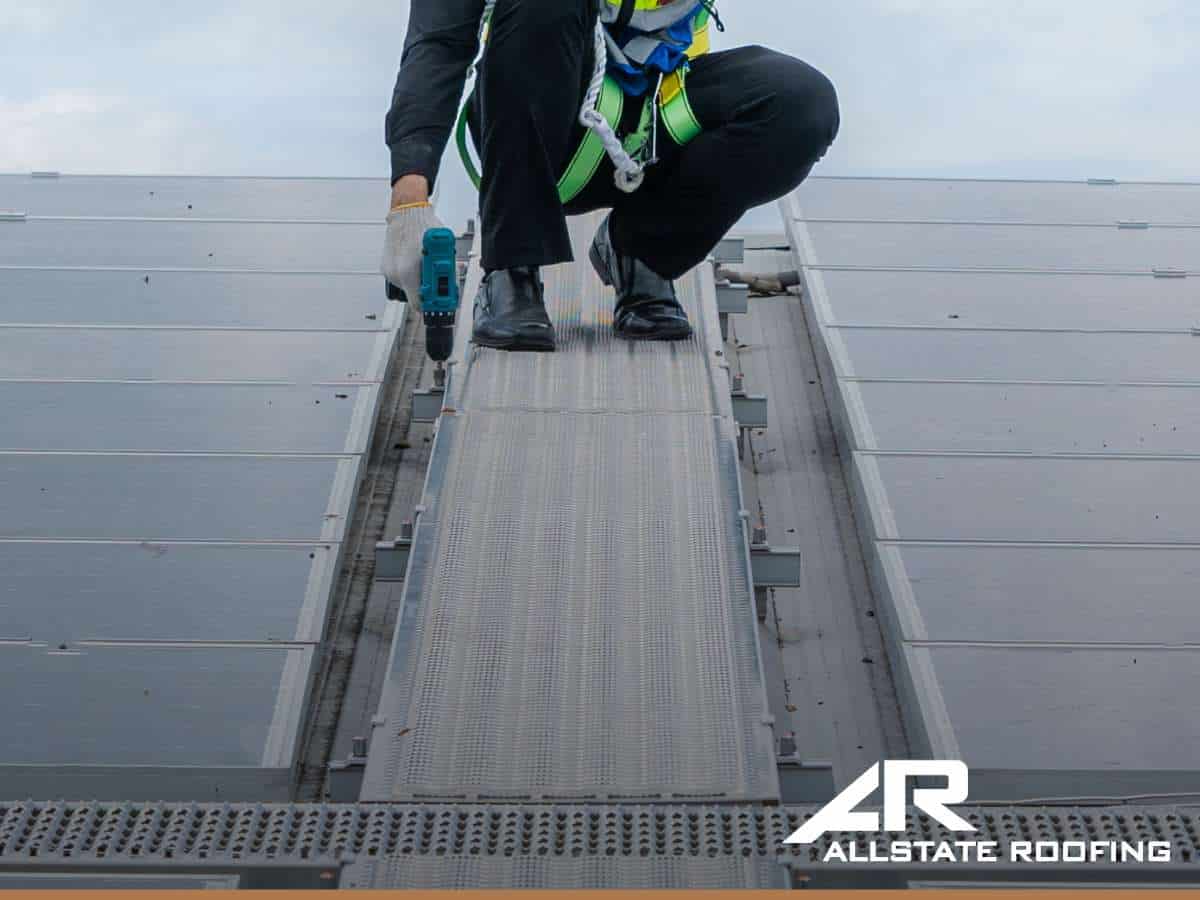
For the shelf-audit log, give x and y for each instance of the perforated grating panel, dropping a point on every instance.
(457, 873)
(578, 621)
(86, 832)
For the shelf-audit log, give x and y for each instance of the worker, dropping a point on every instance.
(742, 128)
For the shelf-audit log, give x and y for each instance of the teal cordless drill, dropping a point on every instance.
(439, 296)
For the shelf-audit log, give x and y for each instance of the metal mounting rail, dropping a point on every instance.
(578, 617)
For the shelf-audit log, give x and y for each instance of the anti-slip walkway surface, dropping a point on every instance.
(578, 620)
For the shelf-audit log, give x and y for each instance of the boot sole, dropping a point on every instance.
(654, 337)
(517, 346)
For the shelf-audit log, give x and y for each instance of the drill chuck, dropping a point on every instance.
(439, 335)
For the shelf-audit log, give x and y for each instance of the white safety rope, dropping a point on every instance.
(629, 173)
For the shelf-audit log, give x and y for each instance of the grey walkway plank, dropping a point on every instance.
(578, 621)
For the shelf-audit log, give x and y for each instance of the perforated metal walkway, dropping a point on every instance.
(578, 621)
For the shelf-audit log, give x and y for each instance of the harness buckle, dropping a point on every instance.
(672, 87)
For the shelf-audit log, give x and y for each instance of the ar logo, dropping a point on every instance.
(841, 814)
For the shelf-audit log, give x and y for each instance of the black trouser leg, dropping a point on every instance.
(767, 119)
(531, 85)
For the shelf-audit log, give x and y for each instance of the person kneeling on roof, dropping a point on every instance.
(588, 104)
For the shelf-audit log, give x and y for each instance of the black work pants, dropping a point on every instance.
(767, 119)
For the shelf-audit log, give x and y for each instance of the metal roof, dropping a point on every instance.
(185, 407)
(1003, 369)
(1017, 405)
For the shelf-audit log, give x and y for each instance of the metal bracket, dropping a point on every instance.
(344, 783)
(730, 250)
(46, 174)
(391, 557)
(731, 299)
(749, 410)
(803, 781)
(1170, 273)
(771, 567)
(12, 215)
(427, 405)
(1133, 226)
(775, 567)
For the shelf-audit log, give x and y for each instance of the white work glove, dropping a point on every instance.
(403, 246)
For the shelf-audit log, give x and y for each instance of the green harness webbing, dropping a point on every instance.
(677, 117)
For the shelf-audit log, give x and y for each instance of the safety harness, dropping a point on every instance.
(602, 111)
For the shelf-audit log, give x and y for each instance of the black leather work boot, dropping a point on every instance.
(510, 312)
(647, 308)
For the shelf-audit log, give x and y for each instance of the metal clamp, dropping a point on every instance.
(391, 557)
(749, 411)
(731, 299)
(344, 783)
(427, 405)
(730, 250)
(771, 567)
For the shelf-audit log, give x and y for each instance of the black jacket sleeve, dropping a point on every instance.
(443, 37)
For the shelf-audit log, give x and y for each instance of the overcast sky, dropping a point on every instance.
(1052, 88)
